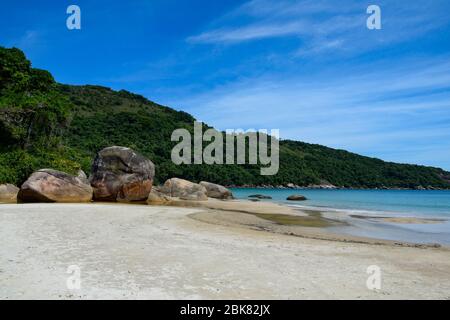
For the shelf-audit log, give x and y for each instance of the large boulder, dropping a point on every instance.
(216, 191)
(8, 193)
(184, 190)
(49, 185)
(121, 174)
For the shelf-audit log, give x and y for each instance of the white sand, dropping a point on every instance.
(136, 252)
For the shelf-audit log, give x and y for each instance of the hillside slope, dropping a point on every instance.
(45, 124)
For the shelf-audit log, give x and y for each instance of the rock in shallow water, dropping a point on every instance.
(49, 185)
(296, 197)
(259, 196)
(121, 174)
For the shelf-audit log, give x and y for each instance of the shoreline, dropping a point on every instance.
(172, 252)
(286, 219)
(332, 187)
(309, 223)
(407, 216)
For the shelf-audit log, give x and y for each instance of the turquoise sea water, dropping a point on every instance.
(385, 203)
(410, 202)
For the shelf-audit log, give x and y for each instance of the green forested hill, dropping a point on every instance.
(46, 124)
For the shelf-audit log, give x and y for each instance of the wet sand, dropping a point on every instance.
(401, 220)
(277, 218)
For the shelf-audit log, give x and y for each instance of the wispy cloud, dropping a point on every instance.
(27, 41)
(322, 25)
(246, 33)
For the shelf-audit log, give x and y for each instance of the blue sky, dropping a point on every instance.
(310, 68)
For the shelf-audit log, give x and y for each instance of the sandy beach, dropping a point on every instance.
(166, 252)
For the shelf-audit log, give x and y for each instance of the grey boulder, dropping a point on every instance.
(8, 193)
(121, 174)
(157, 197)
(184, 190)
(216, 191)
(49, 185)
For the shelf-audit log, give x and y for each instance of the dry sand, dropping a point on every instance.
(162, 252)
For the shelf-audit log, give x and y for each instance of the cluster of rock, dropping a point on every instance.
(329, 186)
(119, 174)
(176, 188)
(324, 185)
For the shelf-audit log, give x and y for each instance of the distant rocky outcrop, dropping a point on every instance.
(322, 186)
(296, 197)
(216, 191)
(8, 193)
(121, 174)
(184, 189)
(49, 185)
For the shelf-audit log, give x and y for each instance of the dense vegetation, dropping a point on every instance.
(45, 124)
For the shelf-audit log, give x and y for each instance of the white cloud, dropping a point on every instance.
(323, 25)
(246, 33)
(28, 40)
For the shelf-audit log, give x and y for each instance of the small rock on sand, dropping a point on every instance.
(217, 191)
(184, 189)
(8, 193)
